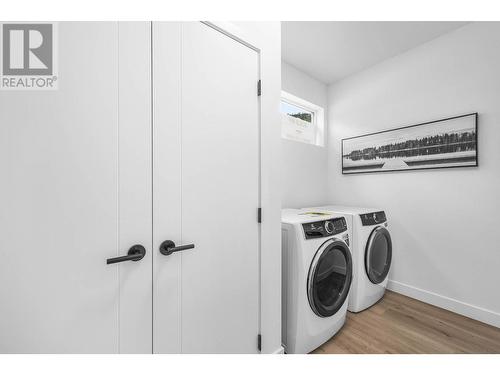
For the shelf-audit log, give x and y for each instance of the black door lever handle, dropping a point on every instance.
(168, 247)
(135, 253)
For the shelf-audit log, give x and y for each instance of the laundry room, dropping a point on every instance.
(193, 188)
(387, 85)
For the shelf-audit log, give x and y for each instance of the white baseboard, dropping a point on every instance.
(462, 308)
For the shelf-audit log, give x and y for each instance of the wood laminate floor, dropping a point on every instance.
(399, 324)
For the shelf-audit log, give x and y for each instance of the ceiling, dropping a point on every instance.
(330, 51)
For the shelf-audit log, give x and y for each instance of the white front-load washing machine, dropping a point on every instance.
(371, 247)
(317, 274)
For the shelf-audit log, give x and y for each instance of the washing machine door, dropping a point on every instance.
(378, 255)
(329, 279)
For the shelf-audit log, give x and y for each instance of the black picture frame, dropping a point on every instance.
(438, 163)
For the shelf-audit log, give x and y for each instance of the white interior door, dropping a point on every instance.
(75, 189)
(206, 190)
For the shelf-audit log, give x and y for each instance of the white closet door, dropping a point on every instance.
(75, 189)
(206, 190)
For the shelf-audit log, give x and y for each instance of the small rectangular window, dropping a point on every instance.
(301, 121)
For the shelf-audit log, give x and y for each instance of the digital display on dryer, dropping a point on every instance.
(340, 225)
(373, 218)
(324, 228)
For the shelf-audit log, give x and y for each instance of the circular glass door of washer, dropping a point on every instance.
(330, 278)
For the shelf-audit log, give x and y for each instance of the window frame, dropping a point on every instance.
(318, 118)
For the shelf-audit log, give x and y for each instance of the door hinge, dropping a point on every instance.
(259, 215)
(259, 342)
(259, 88)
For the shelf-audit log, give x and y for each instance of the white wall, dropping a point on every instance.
(444, 223)
(303, 165)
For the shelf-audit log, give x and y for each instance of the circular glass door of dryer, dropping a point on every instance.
(378, 255)
(329, 278)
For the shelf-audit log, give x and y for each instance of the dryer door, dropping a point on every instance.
(329, 278)
(378, 255)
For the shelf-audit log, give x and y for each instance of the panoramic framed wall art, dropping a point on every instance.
(445, 143)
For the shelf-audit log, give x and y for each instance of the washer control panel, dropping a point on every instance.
(324, 228)
(373, 218)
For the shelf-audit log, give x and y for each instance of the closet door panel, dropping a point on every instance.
(214, 178)
(75, 191)
(220, 180)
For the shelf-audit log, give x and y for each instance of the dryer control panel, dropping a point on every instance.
(373, 218)
(324, 228)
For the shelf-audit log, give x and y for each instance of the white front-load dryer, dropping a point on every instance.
(371, 247)
(317, 275)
